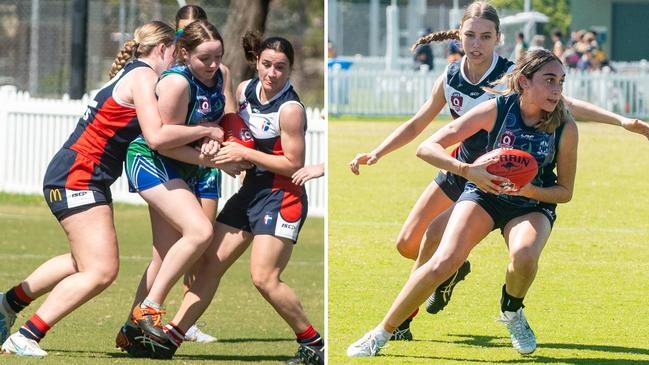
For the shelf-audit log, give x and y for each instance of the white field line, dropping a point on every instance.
(558, 228)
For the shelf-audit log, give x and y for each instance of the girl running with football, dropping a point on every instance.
(461, 87)
(525, 217)
(77, 187)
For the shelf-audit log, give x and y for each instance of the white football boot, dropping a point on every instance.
(22, 346)
(194, 334)
(521, 334)
(369, 345)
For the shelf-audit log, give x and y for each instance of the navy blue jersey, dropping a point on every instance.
(206, 104)
(509, 131)
(462, 96)
(263, 121)
(104, 132)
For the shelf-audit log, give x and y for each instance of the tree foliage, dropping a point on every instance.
(557, 10)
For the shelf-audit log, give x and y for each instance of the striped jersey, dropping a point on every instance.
(106, 128)
(462, 96)
(263, 121)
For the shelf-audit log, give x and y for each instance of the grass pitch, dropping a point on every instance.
(248, 329)
(588, 304)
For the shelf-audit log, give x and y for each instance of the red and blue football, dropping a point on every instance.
(518, 166)
(236, 130)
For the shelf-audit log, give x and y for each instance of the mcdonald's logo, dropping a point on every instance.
(55, 195)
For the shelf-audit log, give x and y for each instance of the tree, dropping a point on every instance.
(243, 16)
(557, 10)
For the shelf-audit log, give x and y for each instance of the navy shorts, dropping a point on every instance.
(452, 185)
(73, 183)
(276, 212)
(502, 211)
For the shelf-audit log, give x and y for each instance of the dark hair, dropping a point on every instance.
(194, 34)
(187, 12)
(557, 33)
(253, 46)
(477, 9)
(520, 35)
(527, 66)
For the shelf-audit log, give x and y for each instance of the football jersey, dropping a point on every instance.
(263, 121)
(462, 95)
(107, 127)
(509, 131)
(206, 104)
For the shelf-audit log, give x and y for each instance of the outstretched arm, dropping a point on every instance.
(407, 131)
(585, 111)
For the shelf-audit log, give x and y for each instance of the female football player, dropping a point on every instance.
(525, 217)
(460, 86)
(77, 187)
(269, 210)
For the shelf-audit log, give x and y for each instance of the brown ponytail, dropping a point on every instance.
(436, 37)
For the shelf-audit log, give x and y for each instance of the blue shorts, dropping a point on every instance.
(206, 183)
(452, 185)
(73, 183)
(266, 210)
(502, 211)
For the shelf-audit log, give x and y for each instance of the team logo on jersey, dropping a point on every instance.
(204, 105)
(507, 139)
(456, 101)
(268, 218)
(265, 126)
(245, 135)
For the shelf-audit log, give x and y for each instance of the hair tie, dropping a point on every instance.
(179, 32)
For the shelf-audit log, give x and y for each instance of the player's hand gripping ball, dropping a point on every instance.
(236, 130)
(518, 166)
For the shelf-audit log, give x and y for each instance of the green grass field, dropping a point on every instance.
(588, 304)
(248, 329)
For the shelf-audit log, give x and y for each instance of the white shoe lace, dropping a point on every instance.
(369, 345)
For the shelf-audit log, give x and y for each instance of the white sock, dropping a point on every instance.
(150, 303)
(380, 331)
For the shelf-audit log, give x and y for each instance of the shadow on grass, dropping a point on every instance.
(187, 357)
(496, 342)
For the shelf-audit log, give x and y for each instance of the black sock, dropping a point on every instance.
(509, 303)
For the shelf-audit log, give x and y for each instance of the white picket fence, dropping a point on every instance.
(32, 130)
(358, 91)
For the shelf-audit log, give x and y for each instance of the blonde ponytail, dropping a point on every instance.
(146, 38)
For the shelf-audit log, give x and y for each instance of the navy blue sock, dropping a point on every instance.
(509, 303)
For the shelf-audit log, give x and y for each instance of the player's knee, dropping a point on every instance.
(201, 235)
(104, 274)
(443, 267)
(407, 247)
(263, 281)
(525, 261)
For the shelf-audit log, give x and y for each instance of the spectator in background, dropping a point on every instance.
(455, 51)
(424, 53)
(538, 42)
(331, 51)
(520, 48)
(557, 44)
